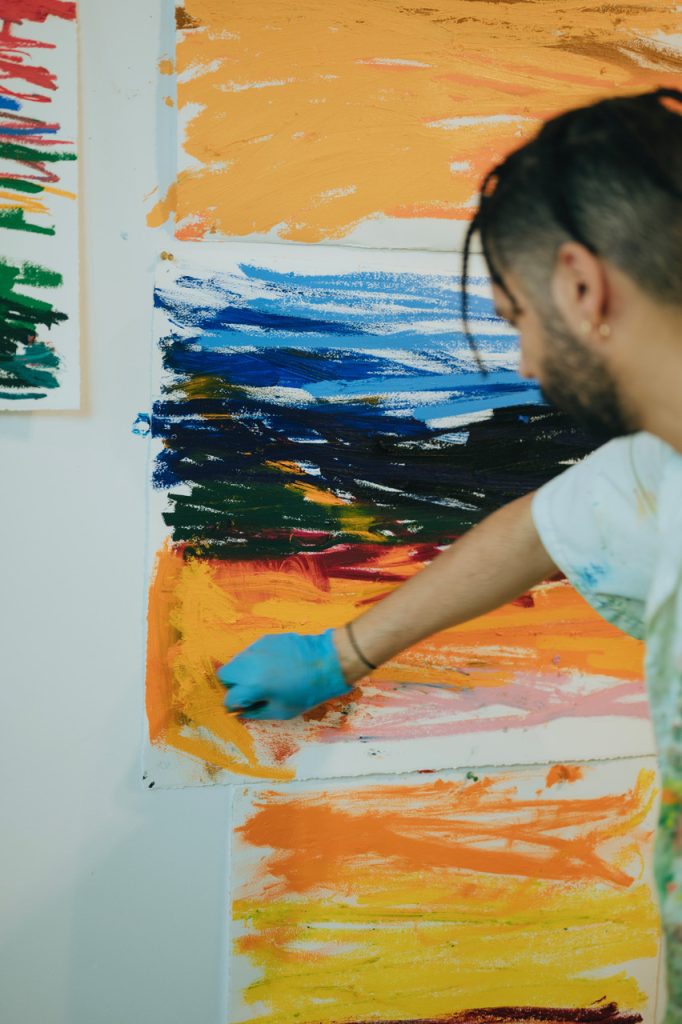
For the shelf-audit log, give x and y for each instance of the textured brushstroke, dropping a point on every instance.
(33, 200)
(304, 411)
(306, 122)
(538, 661)
(607, 1013)
(563, 773)
(28, 144)
(28, 363)
(423, 902)
(321, 437)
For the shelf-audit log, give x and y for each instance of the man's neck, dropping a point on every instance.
(654, 377)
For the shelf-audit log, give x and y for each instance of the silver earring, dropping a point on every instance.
(604, 330)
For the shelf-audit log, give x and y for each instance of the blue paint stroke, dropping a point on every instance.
(354, 381)
(39, 130)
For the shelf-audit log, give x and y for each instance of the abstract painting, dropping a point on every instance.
(39, 291)
(373, 122)
(480, 897)
(318, 438)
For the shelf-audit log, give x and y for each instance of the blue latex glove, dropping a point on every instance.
(283, 676)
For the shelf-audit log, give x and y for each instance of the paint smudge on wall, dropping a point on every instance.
(39, 346)
(319, 439)
(375, 122)
(450, 900)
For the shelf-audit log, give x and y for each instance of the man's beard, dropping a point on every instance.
(576, 380)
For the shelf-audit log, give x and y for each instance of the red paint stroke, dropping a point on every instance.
(15, 58)
(40, 172)
(350, 561)
(608, 1013)
(37, 10)
(367, 562)
(10, 122)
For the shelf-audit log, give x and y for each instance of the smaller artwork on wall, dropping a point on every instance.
(39, 267)
(481, 897)
(317, 439)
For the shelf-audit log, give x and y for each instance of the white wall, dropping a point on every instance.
(112, 901)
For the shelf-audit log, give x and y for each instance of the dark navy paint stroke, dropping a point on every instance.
(351, 415)
(237, 316)
(224, 464)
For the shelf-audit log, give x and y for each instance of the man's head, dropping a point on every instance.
(582, 232)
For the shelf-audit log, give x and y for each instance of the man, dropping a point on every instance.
(582, 232)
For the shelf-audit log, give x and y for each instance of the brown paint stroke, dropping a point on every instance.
(606, 1013)
(622, 57)
(183, 19)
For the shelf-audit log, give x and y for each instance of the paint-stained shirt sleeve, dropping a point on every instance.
(598, 522)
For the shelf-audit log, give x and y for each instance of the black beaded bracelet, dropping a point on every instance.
(356, 648)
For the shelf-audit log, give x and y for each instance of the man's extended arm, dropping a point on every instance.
(491, 564)
(283, 675)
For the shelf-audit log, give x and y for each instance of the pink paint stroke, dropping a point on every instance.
(399, 711)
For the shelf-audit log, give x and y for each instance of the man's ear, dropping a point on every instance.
(580, 290)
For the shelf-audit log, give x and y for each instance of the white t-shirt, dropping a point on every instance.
(613, 525)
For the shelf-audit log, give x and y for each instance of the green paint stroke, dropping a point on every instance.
(19, 185)
(26, 363)
(15, 221)
(31, 155)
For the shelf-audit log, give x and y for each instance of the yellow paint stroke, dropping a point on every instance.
(202, 613)
(315, 494)
(163, 209)
(51, 190)
(284, 465)
(21, 201)
(309, 119)
(190, 616)
(361, 905)
(11, 200)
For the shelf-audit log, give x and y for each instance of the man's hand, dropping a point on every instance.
(282, 676)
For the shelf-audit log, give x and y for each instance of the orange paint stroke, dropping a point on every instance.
(485, 827)
(444, 896)
(298, 113)
(563, 773)
(202, 613)
(162, 209)
(184, 699)
(316, 494)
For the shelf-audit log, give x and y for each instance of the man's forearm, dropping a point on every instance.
(491, 564)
